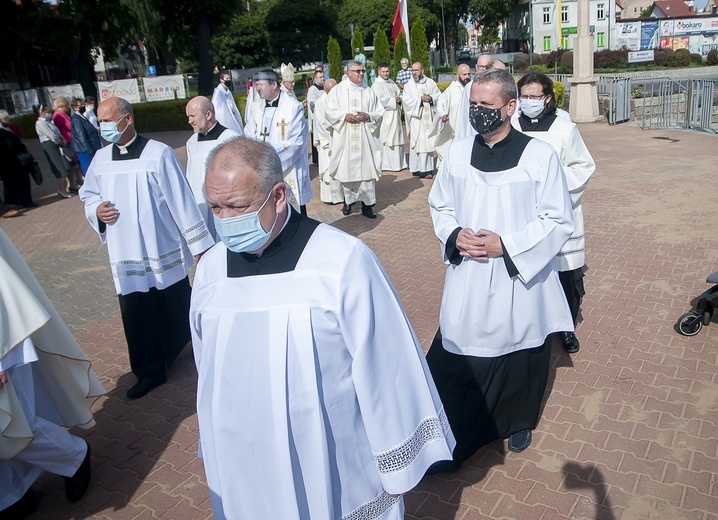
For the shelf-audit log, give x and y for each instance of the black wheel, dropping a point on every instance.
(689, 324)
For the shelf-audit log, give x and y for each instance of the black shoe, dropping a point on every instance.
(144, 385)
(570, 342)
(23, 508)
(519, 441)
(347, 209)
(367, 211)
(443, 466)
(76, 485)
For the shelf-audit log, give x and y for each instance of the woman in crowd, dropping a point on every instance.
(13, 171)
(85, 140)
(52, 142)
(539, 119)
(62, 120)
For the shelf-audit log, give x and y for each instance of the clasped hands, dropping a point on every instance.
(480, 245)
(359, 117)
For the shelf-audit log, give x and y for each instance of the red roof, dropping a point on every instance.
(673, 8)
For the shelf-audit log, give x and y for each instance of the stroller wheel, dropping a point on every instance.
(689, 324)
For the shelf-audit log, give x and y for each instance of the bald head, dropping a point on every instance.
(498, 64)
(244, 176)
(463, 73)
(483, 63)
(200, 114)
(329, 84)
(118, 110)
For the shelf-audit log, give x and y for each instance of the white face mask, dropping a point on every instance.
(532, 107)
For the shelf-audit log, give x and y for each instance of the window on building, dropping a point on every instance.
(547, 43)
(564, 13)
(564, 42)
(600, 12)
(546, 15)
(599, 40)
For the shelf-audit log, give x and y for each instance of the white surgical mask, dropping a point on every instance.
(532, 107)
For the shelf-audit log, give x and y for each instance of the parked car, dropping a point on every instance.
(463, 54)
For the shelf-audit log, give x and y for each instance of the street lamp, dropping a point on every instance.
(443, 30)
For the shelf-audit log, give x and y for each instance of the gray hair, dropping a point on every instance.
(355, 63)
(4, 113)
(124, 107)
(255, 155)
(503, 79)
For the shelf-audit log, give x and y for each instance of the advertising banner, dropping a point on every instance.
(162, 88)
(628, 35)
(679, 42)
(640, 56)
(649, 35)
(124, 88)
(695, 26)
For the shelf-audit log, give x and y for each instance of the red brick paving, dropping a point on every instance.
(629, 429)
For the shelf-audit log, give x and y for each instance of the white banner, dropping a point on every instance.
(696, 26)
(162, 88)
(23, 100)
(124, 88)
(639, 56)
(68, 91)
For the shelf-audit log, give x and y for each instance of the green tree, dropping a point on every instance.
(244, 43)
(357, 41)
(381, 48)
(334, 57)
(400, 51)
(491, 13)
(296, 34)
(419, 45)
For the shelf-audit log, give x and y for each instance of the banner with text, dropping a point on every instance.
(162, 88)
(124, 88)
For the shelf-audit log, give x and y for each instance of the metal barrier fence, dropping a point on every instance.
(661, 102)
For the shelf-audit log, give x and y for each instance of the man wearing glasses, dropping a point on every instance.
(419, 100)
(354, 112)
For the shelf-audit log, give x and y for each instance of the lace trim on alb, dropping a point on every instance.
(401, 457)
(374, 509)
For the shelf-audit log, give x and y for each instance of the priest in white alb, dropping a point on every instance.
(391, 133)
(314, 92)
(502, 212)
(225, 108)
(355, 113)
(419, 100)
(208, 133)
(139, 202)
(314, 400)
(330, 189)
(279, 120)
(448, 112)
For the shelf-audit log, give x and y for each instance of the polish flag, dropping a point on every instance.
(401, 23)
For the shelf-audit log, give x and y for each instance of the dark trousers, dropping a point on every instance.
(572, 283)
(156, 327)
(486, 399)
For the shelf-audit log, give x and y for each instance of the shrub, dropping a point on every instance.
(419, 45)
(400, 51)
(680, 58)
(559, 92)
(443, 85)
(661, 57)
(696, 59)
(334, 57)
(608, 59)
(27, 123)
(381, 48)
(712, 58)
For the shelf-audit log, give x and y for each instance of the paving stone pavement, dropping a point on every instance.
(630, 424)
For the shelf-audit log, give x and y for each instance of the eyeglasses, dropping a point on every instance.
(533, 98)
(358, 71)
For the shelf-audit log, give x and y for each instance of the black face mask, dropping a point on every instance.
(82, 109)
(485, 120)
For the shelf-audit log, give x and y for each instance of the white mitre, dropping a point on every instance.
(287, 72)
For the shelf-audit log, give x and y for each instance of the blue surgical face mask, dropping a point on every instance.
(48, 117)
(244, 233)
(109, 132)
